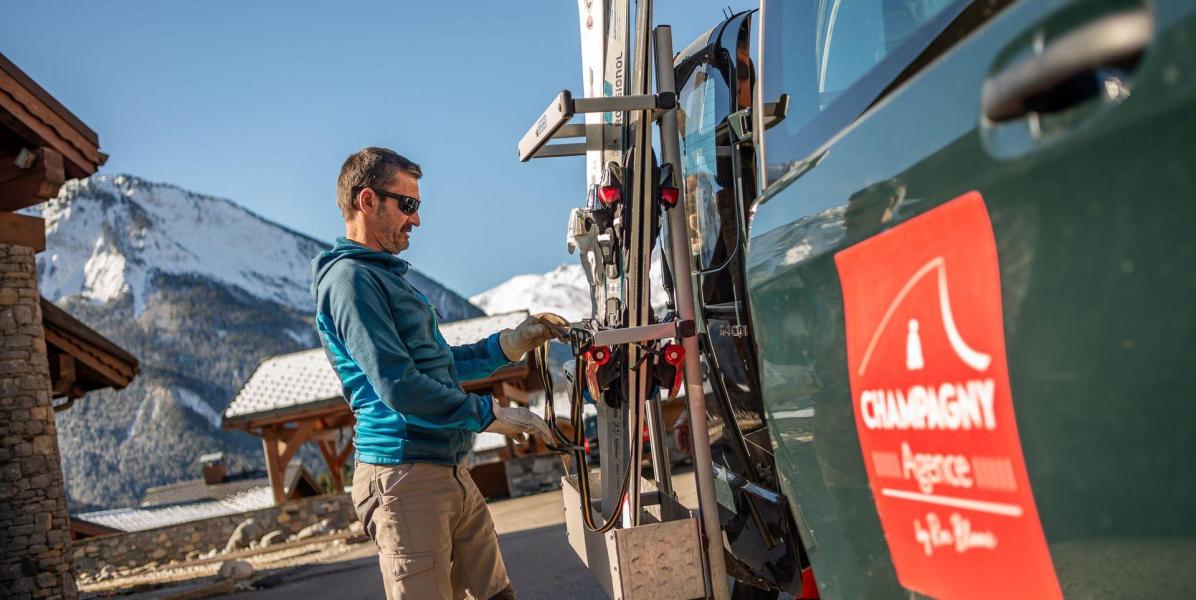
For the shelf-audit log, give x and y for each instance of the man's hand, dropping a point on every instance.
(532, 332)
(513, 421)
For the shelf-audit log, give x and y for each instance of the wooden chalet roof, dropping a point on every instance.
(196, 506)
(42, 144)
(33, 118)
(304, 381)
(297, 482)
(82, 360)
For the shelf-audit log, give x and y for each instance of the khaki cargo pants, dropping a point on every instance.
(434, 534)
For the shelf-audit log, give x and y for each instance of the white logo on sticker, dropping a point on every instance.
(975, 359)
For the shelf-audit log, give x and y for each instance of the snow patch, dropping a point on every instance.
(302, 337)
(195, 404)
(563, 290)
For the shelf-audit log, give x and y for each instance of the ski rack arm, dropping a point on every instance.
(581, 340)
(553, 121)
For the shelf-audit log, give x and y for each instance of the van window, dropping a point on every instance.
(833, 58)
(698, 120)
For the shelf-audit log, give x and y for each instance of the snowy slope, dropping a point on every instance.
(562, 290)
(108, 235)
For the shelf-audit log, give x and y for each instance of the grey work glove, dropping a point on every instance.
(514, 421)
(532, 332)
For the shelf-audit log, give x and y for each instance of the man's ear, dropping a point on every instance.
(367, 201)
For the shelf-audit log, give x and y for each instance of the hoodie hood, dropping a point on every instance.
(347, 248)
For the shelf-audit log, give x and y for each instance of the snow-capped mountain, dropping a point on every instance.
(563, 290)
(108, 236)
(200, 290)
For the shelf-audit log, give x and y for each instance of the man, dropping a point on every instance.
(415, 425)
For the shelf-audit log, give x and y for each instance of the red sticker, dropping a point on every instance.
(930, 391)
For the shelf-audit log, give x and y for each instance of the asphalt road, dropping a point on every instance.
(539, 562)
(531, 532)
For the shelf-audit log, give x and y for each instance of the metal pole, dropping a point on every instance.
(662, 471)
(670, 147)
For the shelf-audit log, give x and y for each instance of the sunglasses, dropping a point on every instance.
(407, 204)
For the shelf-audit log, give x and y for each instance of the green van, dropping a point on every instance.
(963, 233)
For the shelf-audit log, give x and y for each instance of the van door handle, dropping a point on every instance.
(1103, 42)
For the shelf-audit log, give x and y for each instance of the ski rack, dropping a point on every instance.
(669, 553)
(553, 123)
(581, 340)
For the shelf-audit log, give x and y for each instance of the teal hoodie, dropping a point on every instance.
(400, 377)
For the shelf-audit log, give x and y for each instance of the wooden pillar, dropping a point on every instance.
(280, 445)
(270, 448)
(331, 458)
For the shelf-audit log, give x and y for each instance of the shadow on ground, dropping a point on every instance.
(539, 561)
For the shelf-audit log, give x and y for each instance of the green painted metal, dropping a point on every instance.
(1093, 210)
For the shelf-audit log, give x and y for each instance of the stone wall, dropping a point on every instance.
(35, 559)
(199, 538)
(534, 473)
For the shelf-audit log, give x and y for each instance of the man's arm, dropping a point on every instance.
(362, 320)
(479, 359)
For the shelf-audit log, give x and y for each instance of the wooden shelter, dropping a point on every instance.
(295, 399)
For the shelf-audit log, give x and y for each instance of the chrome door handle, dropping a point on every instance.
(1106, 41)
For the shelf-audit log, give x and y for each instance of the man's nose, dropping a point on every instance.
(414, 219)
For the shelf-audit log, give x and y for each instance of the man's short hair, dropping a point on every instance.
(369, 167)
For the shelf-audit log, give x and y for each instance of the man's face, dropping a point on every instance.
(389, 226)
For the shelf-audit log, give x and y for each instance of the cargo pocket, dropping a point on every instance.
(408, 574)
(365, 503)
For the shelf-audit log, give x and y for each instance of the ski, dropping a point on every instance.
(638, 228)
(583, 230)
(592, 17)
(612, 422)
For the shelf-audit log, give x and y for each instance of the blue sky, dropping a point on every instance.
(260, 102)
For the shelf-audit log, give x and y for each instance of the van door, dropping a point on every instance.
(1068, 126)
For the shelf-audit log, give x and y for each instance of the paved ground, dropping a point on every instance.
(531, 531)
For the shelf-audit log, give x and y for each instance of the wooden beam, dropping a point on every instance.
(277, 475)
(25, 186)
(336, 408)
(120, 378)
(519, 371)
(23, 230)
(335, 466)
(62, 374)
(35, 118)
(345, 452)
(324, 435)
(294, 439)
(514, 392)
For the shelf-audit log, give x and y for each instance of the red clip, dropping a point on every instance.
(669, 196)
(610, 194)
(674, 355)
(599, 354)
